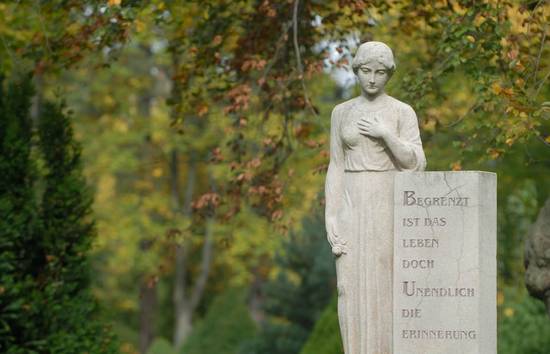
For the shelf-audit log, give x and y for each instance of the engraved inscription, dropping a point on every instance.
(438, 334)
(420, 243)
(417, 263)
(412, 290)
(410, 199)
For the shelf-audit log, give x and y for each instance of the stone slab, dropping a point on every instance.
(444, 274)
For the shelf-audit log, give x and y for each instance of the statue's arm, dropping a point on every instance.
(334, 184)
(407, 147)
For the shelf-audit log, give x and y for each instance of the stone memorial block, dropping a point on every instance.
(444, 276)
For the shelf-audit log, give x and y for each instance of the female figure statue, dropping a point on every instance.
(372, 137)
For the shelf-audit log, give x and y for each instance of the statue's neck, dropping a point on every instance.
(377, 101)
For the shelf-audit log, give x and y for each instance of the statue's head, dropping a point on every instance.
(374, 65)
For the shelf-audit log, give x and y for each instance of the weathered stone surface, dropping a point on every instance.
(537, 257)
(444, 286)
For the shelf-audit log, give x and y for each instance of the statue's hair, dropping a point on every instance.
(374, 51)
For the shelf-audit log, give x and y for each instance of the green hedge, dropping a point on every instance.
(523, 327)
(325, 337)
(225, 327)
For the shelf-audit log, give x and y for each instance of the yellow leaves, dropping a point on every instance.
(158, 136)
(140, 26)
(105, 188)
(470, 38)
(496, 88)
(73, 28)
(157, 172)
(127, 304)
(114, 2)
(500, 298)
(456, 166)
(519, 66)
(458, 9)
(494, 153)
(120, 126)
(429, 125)
(478, 21)
(109, 101)
(509, 312)
(127, 348)
(520, 82)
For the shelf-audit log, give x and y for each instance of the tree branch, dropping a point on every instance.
(298, 57)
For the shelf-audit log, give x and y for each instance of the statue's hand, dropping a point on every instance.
(372, 128)
(337, 244)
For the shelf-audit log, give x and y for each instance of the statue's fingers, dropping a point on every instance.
(364, 130)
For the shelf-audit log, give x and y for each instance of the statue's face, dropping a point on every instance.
(373, 77)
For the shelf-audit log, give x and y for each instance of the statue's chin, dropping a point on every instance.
(372, 93)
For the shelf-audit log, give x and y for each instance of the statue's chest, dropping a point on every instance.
(349, 129)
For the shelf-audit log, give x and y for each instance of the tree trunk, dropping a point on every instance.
(183, 315)
(187, 300)
(147, 309)
(256, 299)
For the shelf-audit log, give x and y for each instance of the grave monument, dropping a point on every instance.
(415, 251)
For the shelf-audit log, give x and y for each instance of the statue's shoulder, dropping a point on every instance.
(343, 107)
(400, 105)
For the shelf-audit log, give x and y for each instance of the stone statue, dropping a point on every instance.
(372, 137)
(537, 258)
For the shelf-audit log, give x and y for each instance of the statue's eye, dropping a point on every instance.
(365, 70)
(381, 72)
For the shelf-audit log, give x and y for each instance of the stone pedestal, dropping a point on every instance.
(444, 276)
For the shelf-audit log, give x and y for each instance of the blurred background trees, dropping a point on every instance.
(204, 128)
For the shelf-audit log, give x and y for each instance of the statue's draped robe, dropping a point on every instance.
(361, 194)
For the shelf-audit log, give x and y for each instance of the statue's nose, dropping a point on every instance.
(371, 78)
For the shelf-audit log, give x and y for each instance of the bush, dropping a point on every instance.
(325, 337)
(225, 327)
(524, 327)
(161, 346)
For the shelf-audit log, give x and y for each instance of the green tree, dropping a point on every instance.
(18, 219)
(297, 295)
(46, 302)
